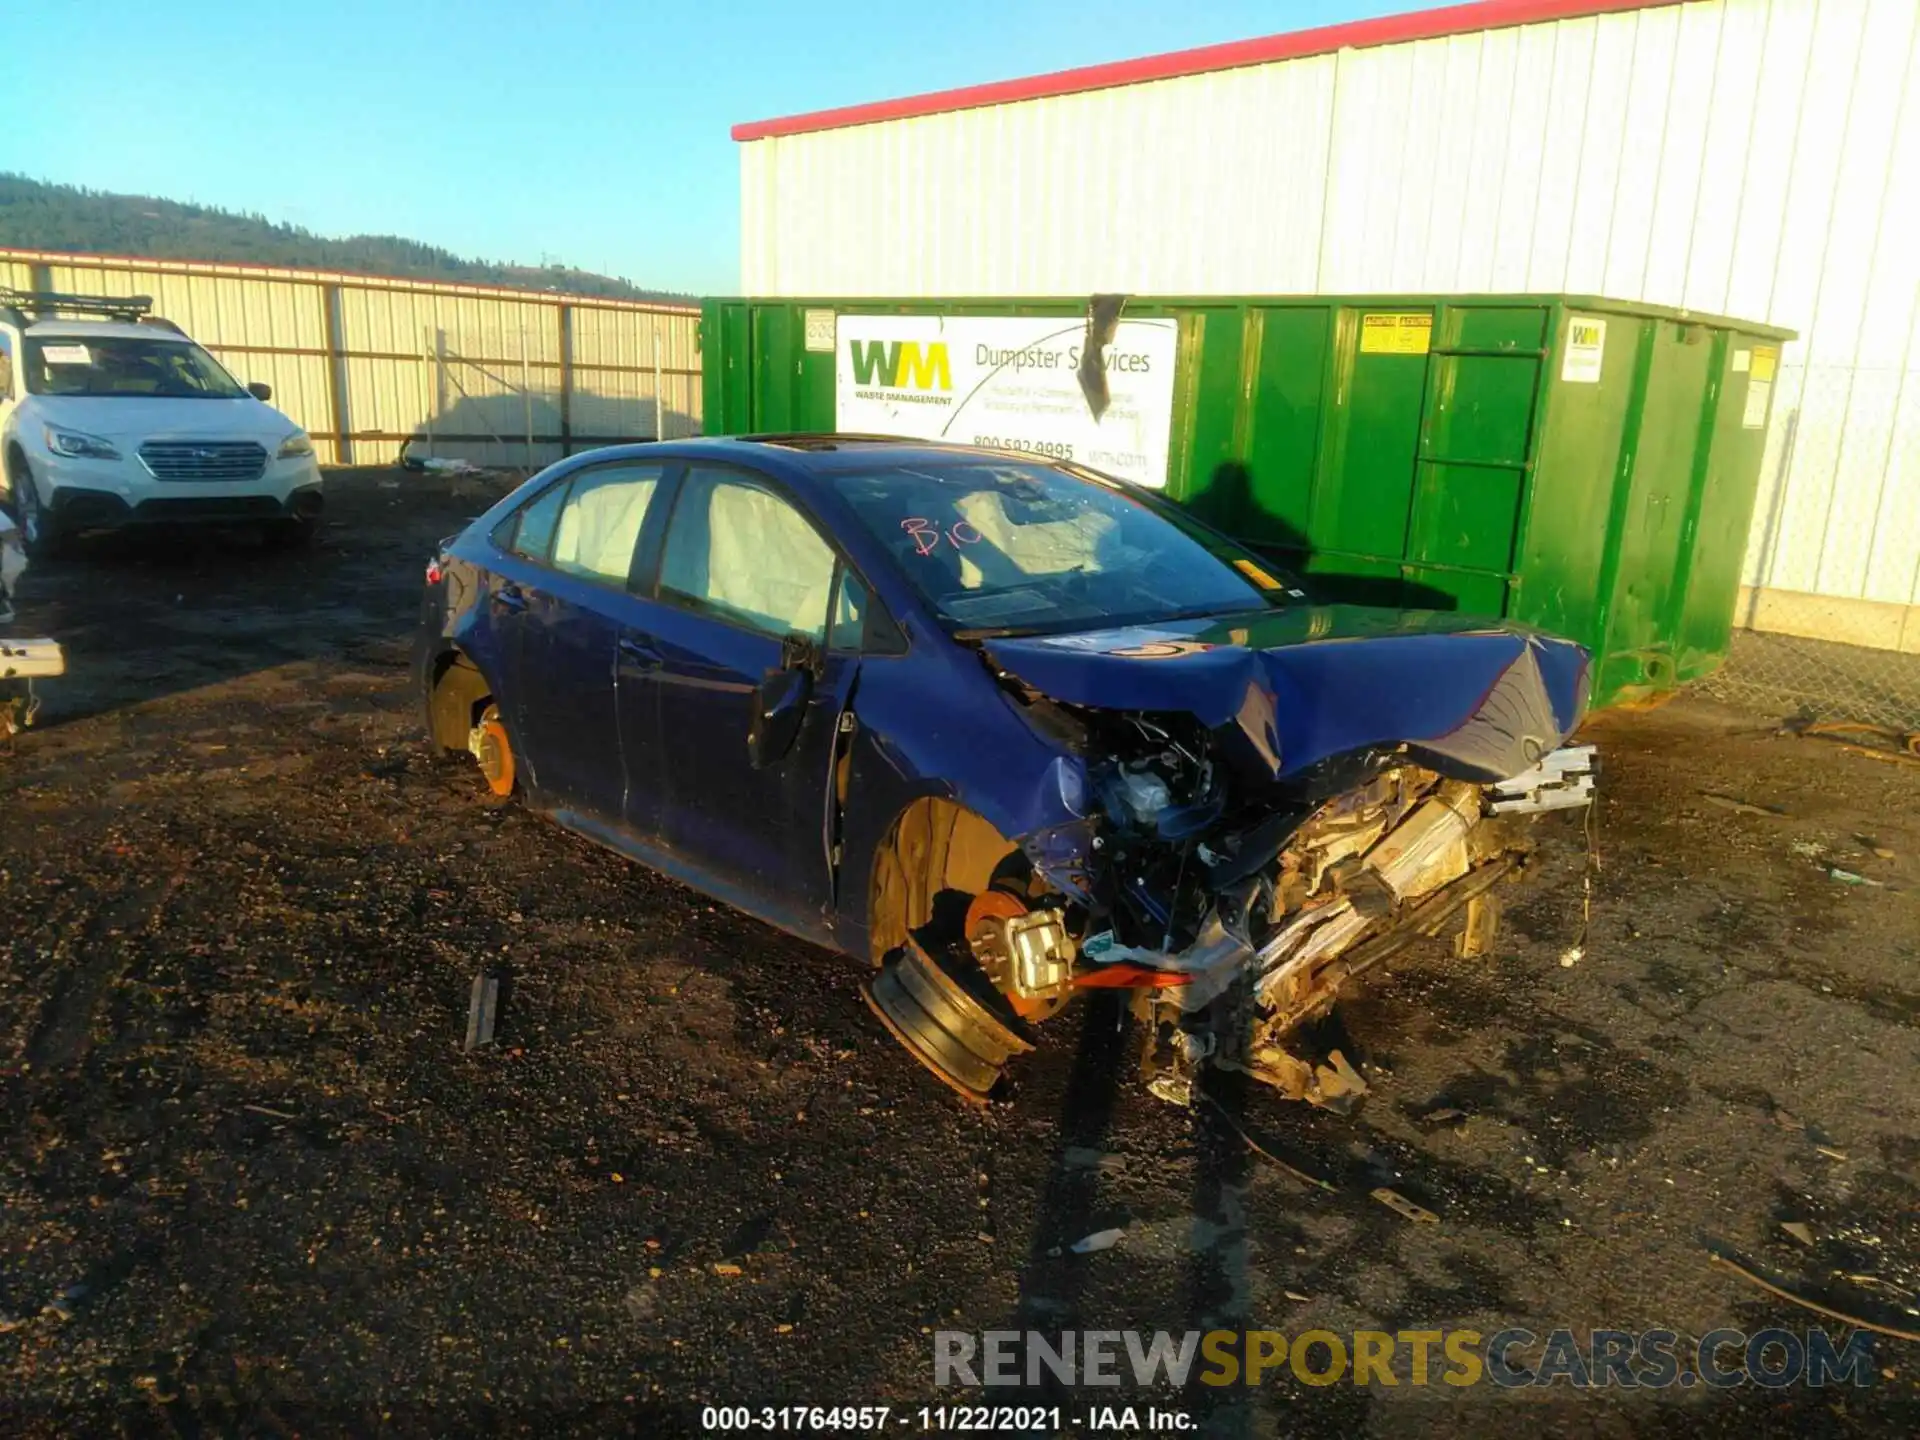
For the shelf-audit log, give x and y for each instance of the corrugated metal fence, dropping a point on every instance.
(365, 364)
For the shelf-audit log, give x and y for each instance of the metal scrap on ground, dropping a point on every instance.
(480, 1011)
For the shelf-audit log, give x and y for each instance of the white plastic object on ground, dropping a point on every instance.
(31, 659)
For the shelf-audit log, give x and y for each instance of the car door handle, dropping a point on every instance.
(509, 597)
(640, 653)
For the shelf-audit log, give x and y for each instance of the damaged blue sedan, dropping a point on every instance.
(1003, 728)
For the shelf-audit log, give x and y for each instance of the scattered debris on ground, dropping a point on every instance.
(237, 957)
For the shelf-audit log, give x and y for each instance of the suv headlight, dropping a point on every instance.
(295, 445)
(79, 447)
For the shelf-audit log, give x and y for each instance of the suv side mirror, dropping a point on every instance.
(260, 391)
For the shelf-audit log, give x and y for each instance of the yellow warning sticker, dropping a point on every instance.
(1408, 332)
(1765, 359)
(1254, 573)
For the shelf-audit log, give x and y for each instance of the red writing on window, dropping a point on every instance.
(926, 534)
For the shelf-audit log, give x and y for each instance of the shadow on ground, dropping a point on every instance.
(243, 1151)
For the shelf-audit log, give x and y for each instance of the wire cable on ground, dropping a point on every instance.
(1906, 743)
(1814, 1305)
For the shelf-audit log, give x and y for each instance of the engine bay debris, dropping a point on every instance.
(1239, 820)
(1235, 924)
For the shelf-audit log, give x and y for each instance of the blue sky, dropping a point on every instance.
(594, 134)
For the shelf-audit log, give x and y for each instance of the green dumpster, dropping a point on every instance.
(1584, 465)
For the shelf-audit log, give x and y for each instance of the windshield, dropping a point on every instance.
(1001, 547)
(123, 365)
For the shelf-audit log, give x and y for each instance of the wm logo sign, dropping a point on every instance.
(901, 364)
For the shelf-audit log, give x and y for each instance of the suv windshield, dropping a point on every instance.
(109, 365)
(1001, 547)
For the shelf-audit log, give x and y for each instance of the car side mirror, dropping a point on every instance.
(780, 702)
(260, 391)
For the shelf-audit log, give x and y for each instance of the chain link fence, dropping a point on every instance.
(1794, 678)
(1835, 550)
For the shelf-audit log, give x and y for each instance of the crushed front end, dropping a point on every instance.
(1403, 853)
(1235, 892)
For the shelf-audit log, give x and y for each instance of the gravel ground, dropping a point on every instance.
(241, 907)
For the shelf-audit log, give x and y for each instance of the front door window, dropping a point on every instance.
(741, 553)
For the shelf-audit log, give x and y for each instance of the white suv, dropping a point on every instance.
(123, 421)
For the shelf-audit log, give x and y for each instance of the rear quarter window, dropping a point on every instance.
(528, 532)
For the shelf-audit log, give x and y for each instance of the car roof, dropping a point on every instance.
(99, 330)
(815, 453)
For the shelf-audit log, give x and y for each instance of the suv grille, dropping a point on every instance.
(204, 460)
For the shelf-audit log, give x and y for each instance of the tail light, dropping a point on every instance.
(434, 573)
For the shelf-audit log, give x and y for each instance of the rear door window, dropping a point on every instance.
(587, 525)
(600, 523)
(529, 533)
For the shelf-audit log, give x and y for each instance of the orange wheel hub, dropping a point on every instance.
(496, 757)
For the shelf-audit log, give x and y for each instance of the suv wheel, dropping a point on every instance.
(40, 530)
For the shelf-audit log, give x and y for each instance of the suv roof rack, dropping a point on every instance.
(47, 304)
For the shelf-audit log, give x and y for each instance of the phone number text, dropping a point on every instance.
(1052, 449)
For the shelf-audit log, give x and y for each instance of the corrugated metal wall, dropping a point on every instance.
(1759, 158)
(363, 363)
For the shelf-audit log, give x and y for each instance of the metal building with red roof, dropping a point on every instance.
(1758, 158)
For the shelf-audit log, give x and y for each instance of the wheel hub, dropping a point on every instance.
(492, 749)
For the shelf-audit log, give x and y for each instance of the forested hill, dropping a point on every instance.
(37, 216)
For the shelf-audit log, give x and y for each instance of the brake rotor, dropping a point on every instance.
(942, 1025)
(495, 754)
(989, 904)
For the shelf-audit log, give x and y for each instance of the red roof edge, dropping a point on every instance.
(1296, 45)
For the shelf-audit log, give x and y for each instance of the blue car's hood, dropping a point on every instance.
(1480, 698)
